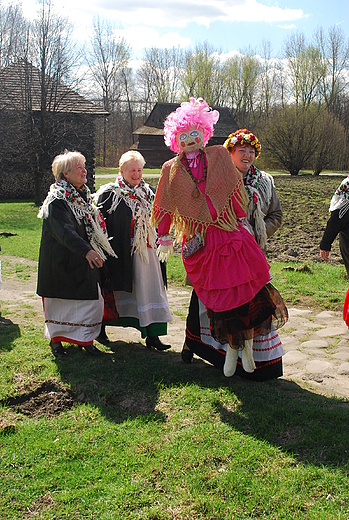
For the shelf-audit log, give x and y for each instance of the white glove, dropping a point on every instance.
(165, 248)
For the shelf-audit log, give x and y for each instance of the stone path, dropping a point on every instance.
(316, 344)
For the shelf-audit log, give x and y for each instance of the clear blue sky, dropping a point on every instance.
(227, 25)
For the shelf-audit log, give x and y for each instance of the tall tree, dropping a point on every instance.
(305, 70)
(158, 78)
(334, 51)
(268, 82)
(201, 75)
(291, 137)
(241, 80)
(13, 31)
(107, 56)
(51, 50)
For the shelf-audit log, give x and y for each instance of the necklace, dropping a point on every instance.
(196, 191)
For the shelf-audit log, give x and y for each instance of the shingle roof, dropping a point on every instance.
(20, 89)
(154, 125)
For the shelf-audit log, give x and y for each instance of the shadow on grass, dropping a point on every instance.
(9, 331)
(124, 383)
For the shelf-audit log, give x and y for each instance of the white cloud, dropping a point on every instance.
(288, 27)
(167, 13)
(140, 37)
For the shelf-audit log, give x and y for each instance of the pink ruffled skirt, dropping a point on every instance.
(229, 270)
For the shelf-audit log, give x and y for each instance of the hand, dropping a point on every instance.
(94, 259)
(165, 248)
(324, 254)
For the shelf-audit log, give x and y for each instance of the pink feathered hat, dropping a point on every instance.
(195, 113)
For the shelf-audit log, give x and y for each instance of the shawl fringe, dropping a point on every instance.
(139, 200)
(189, 224)
(83, 211)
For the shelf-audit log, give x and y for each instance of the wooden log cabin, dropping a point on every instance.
(150, 137)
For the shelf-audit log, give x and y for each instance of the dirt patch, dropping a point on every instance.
(305, 201)
(48, 400)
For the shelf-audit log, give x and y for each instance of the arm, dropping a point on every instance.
(64, 230)
(273, 218)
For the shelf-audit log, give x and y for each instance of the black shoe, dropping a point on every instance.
(103, 338)
(153, 341)
(92, 350)
(57, 348)
(186, 354)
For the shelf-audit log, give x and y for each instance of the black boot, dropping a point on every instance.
(154, 341)
(186, 354)
(57, 349)
(103, 338)
(92, 350)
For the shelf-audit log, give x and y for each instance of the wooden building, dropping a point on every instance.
(38, 120)
(151, 142)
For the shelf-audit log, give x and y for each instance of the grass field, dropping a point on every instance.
(136, 434)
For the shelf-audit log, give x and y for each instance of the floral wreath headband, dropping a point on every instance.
(242, 138)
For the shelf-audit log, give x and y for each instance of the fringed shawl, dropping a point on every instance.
(139, 199)
(190, 215)
(340, 199)
(84, 211)
(259, 186)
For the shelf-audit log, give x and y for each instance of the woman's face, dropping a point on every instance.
(77, 175)
(191, 139)
(243, 156)
(132, 172)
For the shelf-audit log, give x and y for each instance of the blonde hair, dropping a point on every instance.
(131, 155)
(64, 162)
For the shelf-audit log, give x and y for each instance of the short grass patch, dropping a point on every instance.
(137, 434)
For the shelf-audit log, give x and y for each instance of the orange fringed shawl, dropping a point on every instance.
(188, 214)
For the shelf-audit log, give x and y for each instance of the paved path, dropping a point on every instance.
(316, 344)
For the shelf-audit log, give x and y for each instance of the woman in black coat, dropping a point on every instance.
(72, 251)
(135, 276)
(338, 224)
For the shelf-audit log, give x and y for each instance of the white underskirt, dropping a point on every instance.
(73, 321)
(265, 348)
(148, 301)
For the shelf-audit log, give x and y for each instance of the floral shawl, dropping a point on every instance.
(340, 199)
(259, 189)
(139, 199)
(84, 211)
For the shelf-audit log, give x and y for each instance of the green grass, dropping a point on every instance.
(136, 434)
(323, 287)
(20, 219)
(151, 438)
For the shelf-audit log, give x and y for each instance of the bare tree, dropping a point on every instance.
(158, 78)
(241, 80)
(52, 53)
(330, 152)
(13, 31)
(107, 57)
(291, 137)
(268, 82)
(334, 51)
(202, 74)
(305, 70)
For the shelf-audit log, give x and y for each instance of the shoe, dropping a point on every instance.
(186, 354)
(153, 341)
(92, 350)
(57, 348)
(103, 338)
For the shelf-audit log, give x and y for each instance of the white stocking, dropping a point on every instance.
(248, 363)
(231, 360)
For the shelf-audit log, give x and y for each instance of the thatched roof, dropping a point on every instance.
(20, 89)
